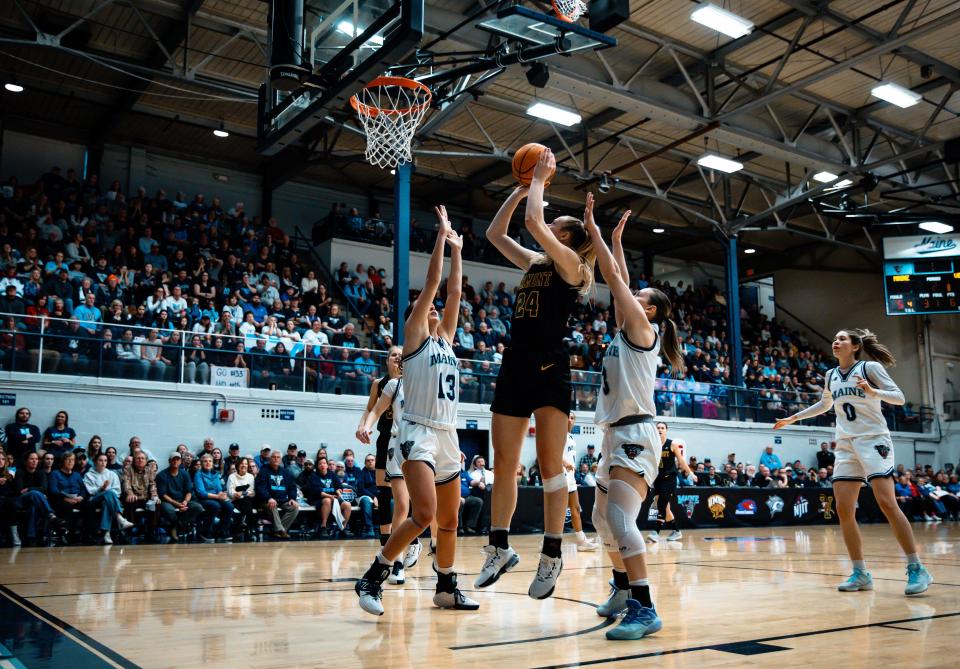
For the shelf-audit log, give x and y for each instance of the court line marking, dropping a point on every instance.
(606, 623)
(808, 573)
(108, 655)
(797, 635)
(721, 564)
(895, 627)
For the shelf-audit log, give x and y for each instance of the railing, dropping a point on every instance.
(47, 345)
(304, 243)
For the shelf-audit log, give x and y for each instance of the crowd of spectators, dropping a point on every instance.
(100, 282)
(53, 489)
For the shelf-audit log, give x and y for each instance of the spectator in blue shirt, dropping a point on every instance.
(88, 314)
(357, 295)
(213, 498)
(366, 487)
(263, 459)
(366, 369)
(323, 491)
(65, 487)
(175, 490)
(277, 493)
(770, 459)
(258, 310)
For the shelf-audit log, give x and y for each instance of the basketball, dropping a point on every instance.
(525, 160)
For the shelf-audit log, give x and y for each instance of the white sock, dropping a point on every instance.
(860, 564)
(443, 570)
(383, 560)
(913, 558)
(581, 537)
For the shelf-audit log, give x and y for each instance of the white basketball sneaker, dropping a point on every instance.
(498, 562)
(544, 583)
(396, 574)
(412, 555)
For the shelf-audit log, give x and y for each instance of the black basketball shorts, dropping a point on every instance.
(530, 380)
(665, 485)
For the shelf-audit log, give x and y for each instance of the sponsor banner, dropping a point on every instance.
(723, 507)
(746, 507)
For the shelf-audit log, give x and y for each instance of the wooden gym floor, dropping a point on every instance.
(728, 598)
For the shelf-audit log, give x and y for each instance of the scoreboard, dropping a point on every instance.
(922, 274)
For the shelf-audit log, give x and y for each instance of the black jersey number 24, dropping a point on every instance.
(528, 305)
(850, 411)
(451, 391)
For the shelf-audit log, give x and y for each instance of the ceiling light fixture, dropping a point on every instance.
(722, 21)
(658, 231)
(13, 86)
(715, 162)
(896, 95)
(221, 132)
(824, 177)
(749, 252)
(936, 227)
(553, 114)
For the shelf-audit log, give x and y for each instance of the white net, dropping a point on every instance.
(569, 10)
(390, 109)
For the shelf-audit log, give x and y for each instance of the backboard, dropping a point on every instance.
(536, 28)
(350, 43)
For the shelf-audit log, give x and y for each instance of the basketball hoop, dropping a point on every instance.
(390, 109)
(569, 10)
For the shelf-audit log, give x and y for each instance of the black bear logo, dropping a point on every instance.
(405, 449)
(632, 450)
(883, 450)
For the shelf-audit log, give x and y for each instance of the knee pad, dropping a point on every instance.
(600, 524)
(555, 483)
(623, 507)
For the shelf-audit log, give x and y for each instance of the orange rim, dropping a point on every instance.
(403, 82)
(561, 15)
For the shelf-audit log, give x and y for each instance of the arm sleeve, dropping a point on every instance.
(232, 485)
(821, 407)
(887, 390)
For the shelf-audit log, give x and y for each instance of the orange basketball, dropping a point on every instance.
(525, 160)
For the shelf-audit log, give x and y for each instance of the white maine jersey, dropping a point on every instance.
(431, 385)
(570, 451)
(570, 457)
(857, 414)
(627, 383)
(394, 389)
